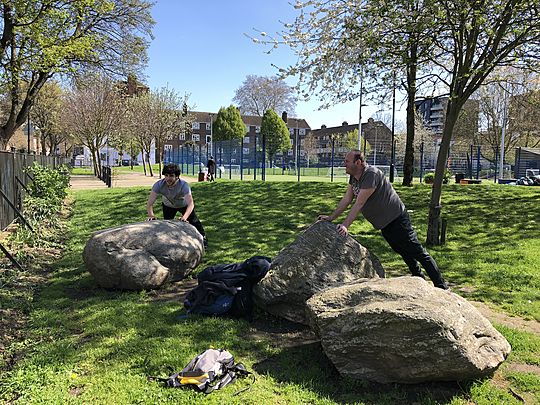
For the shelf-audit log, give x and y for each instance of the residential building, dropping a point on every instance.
(247, 150)
(376, 134)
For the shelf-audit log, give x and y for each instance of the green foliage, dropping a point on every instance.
(228, 124)
(41, 206)
(47, 183)
(429, 178)
(276, 133)
(66, 36)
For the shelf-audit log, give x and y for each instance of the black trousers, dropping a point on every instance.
(402, 238)
(169, 213)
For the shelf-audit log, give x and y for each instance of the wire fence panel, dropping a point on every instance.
(236, 160)
(13, 180)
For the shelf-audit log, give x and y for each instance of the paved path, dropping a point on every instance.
(122, 179)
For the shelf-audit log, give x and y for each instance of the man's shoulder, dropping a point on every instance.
(158, 184)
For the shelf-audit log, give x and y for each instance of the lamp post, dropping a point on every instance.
(211, 137)
(503, 131)
(360, 113)
(297, 151)
(377, 126)
(393, 149)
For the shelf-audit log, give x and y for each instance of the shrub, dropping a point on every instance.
(42, 204)
(429, 178)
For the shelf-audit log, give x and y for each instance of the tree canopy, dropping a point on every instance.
(275, 133)
(258, 94)
(41, 38)
(228, 124)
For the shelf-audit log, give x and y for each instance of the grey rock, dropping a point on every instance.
(317, 259)
(143, 255)
(404, 330)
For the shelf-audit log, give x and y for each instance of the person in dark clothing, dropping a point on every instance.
(211, 168)
(176, 197)
(379, 203)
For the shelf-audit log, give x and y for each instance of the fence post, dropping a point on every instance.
(478, 162)
(255, 158)
(496, 162)
(421, 162)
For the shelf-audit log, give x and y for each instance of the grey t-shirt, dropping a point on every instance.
(172, 196)
(384, 205)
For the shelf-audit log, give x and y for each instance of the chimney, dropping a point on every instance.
(323, 126)
(284, 116)
(344, 123)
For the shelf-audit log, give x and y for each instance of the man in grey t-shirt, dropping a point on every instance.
(379, 203)
(176, 197)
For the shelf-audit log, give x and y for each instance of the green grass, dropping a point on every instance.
(89, 345)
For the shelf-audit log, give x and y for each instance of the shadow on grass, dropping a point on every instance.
(307, 366)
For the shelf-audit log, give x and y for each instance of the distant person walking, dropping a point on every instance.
(379, 203)
(176, 197)
(211, 168)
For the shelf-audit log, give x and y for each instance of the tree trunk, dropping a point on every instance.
(149, 164)
(143, 162)
(408, 162)
(435, 208)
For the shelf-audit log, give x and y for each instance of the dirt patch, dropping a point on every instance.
(121, 179)
(506, 320)
(173, 292)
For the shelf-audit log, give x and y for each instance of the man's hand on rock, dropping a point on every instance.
(151, 218)
(342, 230)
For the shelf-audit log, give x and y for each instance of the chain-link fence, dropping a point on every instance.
(235, 161)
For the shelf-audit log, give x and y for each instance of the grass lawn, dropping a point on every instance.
(87, 345)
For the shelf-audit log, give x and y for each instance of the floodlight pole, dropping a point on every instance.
(393, 149)
(360, 112)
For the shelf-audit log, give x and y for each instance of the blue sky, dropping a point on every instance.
(200, 48)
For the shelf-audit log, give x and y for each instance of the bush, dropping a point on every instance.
(429, 178)
(42, 204)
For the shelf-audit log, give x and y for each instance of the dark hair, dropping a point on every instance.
(171, 168)
(358, 155)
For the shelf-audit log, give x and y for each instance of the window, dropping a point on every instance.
(207, 126)
(257, 130)
(208, 139)
(167, 147)
(291, 131)
(302, 131)
(182, 137)
(246, 139)
(252, 128)
(291, 141)
(246, 151)
(289, 153)
(196, 137)
(195, 125)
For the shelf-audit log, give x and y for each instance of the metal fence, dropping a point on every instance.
(14, 180)
(236, 161)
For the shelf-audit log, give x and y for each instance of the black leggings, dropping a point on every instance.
(169, 213)
(402, 238)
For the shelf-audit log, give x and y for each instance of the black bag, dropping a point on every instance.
(227, 284)
(211, 370)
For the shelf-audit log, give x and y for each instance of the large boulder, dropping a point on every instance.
(143, 255)
(404, 330)
(317, 259)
